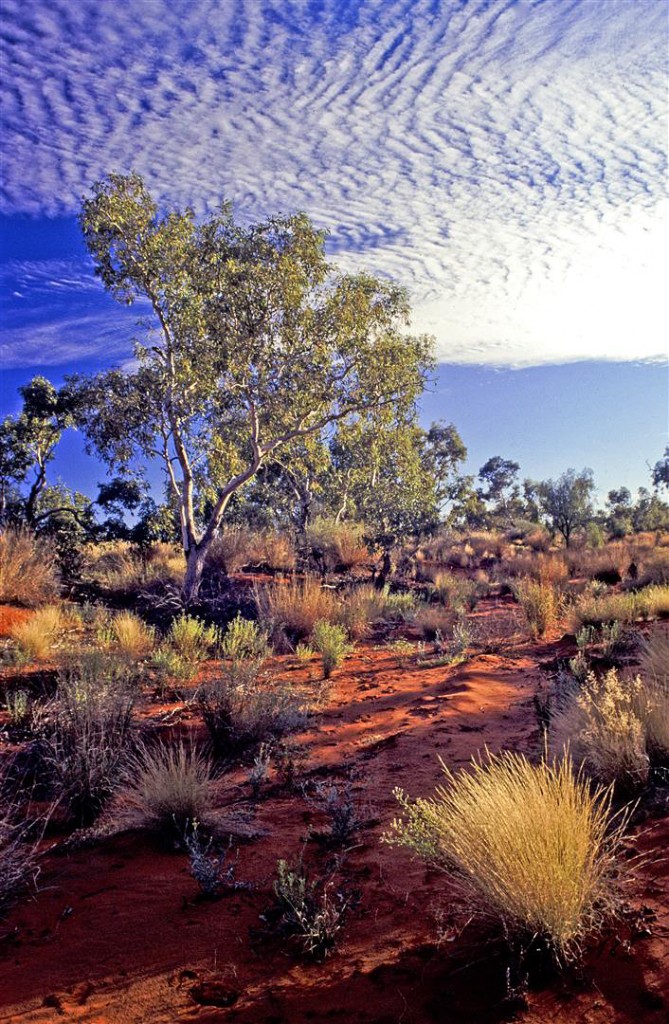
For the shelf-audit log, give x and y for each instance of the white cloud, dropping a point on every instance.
(505, 160)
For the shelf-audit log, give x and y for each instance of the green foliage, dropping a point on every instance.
(192, 639)
(244, 707)
(261, 344)
(244, 640)
(312, 910)
(567, 501)
(331, 642)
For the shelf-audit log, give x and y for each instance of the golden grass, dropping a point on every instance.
(541, 603)
(650, 603)
(601, 727)
(37, 635)
(532, 846)
(167, 789)
(28, 573)
(293, 609)
(340, 545)
(120, 566)
(131, 636)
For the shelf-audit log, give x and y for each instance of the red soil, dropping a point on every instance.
(10, 617)
(118, 934)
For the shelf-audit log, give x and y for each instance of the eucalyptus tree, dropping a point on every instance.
(256, 343)
(567, 501)
(28, 444)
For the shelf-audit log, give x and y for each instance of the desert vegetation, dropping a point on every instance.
(232, 683)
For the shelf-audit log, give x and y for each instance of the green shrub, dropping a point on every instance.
(244, 639)
(533, 846)
(331, 642)
(192, 639)
(311, 910)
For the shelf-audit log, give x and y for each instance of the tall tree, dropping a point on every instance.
(28, 444)
(660, 472)
(567, 501)
(258, 344)
(500, 490)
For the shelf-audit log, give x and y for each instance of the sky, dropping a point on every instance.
(505, 160)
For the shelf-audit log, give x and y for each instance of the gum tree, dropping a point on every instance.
(256, 342)
(567, 501)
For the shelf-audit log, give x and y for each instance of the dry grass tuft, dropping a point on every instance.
(294, 609)
(600, 726)
(541, 603)
(28, 573)
(131, 636)
(36, 636)
(167, 789)
(339, 546)
(531, 846)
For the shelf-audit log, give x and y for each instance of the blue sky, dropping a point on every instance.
(504, 159)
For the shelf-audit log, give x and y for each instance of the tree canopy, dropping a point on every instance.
(256, 343)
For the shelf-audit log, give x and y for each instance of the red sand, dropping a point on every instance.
(118, 935)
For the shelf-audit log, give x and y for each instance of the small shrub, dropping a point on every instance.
(653, 602)
(530, 846)
(359, 608)
(433, 620)
(19, 843)
(131, 636)
(85, 736)
(166, 790)
(398, 607)
(599, 725)
(208, 866)
(304, 652)
(331, 643)
(259, 771)
(244, 707)
(603, 610)
(244, 639)
(312, 911)
(192, 639)
(230, 551)
(19, 709)
(456, 592)
(171, 667)
(541, 604)
(339, 806)
(36, 636)
(28, 574)
(654, 569)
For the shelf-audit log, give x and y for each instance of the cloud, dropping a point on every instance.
(505, 160)
(58, 313)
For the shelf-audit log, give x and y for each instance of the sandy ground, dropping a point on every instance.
(119, 934)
